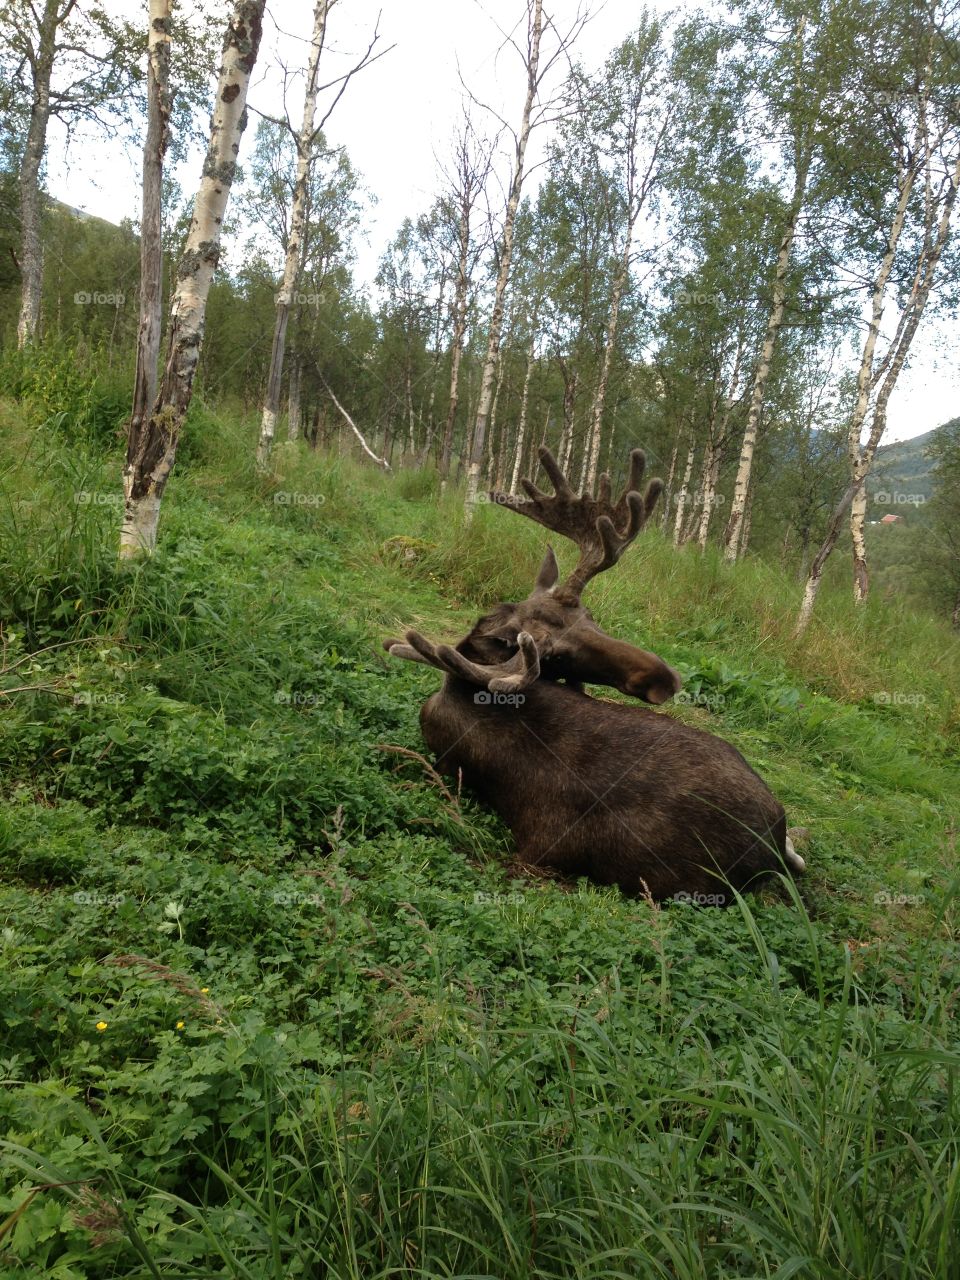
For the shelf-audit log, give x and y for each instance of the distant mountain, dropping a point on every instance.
(902, 471)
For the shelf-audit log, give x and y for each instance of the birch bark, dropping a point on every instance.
(503, 273)
(31, 249)
(522, 424)
(151, 224)
(684, 494)
(293, 260)
(861, 457)
(761, 374)
(152, 456)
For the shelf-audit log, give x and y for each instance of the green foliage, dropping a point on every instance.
(58, 383)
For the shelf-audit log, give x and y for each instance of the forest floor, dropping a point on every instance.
(276, 1004)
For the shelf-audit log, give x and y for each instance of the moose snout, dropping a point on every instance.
(655, 682)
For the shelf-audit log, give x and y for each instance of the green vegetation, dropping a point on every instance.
(276, 1004)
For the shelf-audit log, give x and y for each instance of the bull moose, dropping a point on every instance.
(591, 787)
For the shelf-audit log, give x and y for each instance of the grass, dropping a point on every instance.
(276, 1005)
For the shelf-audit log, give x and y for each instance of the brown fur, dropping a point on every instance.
(620, 794)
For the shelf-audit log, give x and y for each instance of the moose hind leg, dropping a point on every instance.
(792, 858)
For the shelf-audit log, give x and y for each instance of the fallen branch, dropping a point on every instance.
(381, 462)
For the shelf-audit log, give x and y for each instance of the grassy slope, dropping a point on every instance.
(339, 1034)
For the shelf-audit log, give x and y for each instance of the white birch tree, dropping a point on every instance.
(151, 454)
(920, 159)
(151, 222)
(628, 112)
(537, 70)
(305, 139)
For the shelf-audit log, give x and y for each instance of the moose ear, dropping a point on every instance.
(548, 574)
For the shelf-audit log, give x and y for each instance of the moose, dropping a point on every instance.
(588, 786)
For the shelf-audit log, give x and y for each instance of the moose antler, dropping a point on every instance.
(601, 529)
(511, 676)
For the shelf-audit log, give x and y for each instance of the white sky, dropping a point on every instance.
(397, 119)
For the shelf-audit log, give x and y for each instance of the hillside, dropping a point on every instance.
(277, 1003)
(902, 471)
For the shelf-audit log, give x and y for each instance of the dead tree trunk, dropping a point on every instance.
(151, 455)
(358, 434)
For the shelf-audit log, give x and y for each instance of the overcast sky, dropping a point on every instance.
(397, 119)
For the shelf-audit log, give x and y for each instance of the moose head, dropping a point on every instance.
(551, 634)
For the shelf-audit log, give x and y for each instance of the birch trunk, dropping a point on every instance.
(503, 273)
(762, 372)
(609, 345)
(522, 424)
(151, 226)
(151, 458)
(459, 332)
(491, 452)
(708, 491)
(293, 400)
(408, 405)
(456, 355)
(861, 459)
(668, 488)
(293, 260)
(684, 493)
(747, 522)
(858, 514)
(31, 249)
(569, 409)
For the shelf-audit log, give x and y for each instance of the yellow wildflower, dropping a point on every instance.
(102, 1026)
